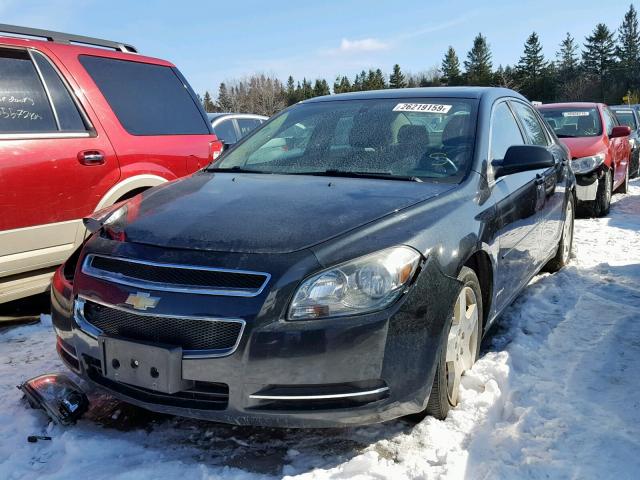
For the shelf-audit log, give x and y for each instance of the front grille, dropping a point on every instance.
(175, 277)
(188, 333)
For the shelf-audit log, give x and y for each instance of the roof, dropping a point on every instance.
(441, 92)
(570, 105)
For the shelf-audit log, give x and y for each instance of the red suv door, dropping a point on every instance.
(55, 164)
(158, 125)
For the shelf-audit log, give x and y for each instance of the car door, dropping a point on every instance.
(619, 147)
(54, 164)
(516, 199)
(550, 183)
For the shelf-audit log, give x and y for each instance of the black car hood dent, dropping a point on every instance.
(264, 213)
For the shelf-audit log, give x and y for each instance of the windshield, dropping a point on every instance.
(625, 117)
(570, 122)
(426, 138)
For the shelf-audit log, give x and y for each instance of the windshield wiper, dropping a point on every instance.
(355, 174)
(564, 136)
(234, 169)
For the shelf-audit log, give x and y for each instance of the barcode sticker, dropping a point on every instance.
(575, 114)
(422, 107)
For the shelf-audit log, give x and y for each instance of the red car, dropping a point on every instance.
(600, 150)
(80, 129)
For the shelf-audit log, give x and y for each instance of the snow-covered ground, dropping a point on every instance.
(555, 395)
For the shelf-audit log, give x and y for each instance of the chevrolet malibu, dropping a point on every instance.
(340, 265)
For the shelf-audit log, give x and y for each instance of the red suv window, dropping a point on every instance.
(147, 99)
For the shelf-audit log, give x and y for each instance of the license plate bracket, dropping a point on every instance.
(154, 367)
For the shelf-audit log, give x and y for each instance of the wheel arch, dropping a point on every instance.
(129, 187)
(480, 262)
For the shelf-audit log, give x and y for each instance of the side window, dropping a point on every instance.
(24, 105)
(504, 132)
(226, 132)
(68, 116)
(148, 99)
(531, 124)
(246, 125)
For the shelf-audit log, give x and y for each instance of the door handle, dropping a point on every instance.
(91, 157)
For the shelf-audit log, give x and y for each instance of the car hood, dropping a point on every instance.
(264, 213)
(584, 146)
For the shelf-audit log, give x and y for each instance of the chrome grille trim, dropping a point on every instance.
(95, 332)
(88, 269)
(257, 396)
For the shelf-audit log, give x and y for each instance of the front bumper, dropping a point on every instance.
(587, 185)
(320, 373)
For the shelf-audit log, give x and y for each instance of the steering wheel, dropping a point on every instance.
(440, 161)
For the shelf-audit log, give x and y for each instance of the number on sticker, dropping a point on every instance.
(422, 107)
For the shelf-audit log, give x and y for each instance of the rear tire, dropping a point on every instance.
(460, 346)
(565, 245)
(634, 169)
(600, 206)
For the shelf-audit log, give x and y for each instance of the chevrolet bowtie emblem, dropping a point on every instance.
(141, 301)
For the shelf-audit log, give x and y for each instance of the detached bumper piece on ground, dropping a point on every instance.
(56, 394)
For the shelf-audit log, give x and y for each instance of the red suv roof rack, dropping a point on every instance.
(66, 37)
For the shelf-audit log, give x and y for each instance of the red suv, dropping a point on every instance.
(80, 129)
(600, 150)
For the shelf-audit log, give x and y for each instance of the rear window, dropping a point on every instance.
(147, 99)
(625, 117)
(568, 122)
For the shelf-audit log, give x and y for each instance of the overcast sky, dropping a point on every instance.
(212, 41)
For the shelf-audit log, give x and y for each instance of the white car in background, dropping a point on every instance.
(231, 127)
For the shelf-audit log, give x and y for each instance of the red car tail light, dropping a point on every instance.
(215, 149)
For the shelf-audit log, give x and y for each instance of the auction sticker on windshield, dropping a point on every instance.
(575, 114)
(422, 107)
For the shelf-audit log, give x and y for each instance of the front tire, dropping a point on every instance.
(565, 245)
(460, 348)
(600, 206)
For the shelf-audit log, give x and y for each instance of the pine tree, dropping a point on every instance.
(307, 89)
(531, 68)
(207, 103)
(291, 94)
(341, 85)
(628, 50)
(451, 68)
(478, 62)
(397, 79)
(225, 102)
(567, 62)
(320, 88)
(598, 57)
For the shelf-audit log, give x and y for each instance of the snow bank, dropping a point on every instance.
(555, 395)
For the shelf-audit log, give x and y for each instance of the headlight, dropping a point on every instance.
(362, 285)
(105, 216)
(587, 164)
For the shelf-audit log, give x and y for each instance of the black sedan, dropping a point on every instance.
(338, 266)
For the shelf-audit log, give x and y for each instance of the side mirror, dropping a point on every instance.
(226, 146)
(522, 158)
(620, 131)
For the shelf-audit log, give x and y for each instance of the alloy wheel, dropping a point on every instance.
(462, 342)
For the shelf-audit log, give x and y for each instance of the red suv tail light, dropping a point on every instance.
(215, 149)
